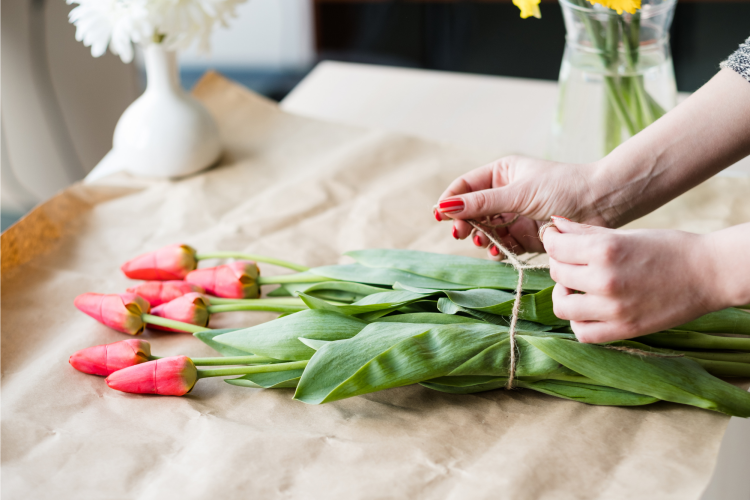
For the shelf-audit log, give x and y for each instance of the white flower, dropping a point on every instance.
(120, 23)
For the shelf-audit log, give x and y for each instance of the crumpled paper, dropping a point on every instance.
(304, 191)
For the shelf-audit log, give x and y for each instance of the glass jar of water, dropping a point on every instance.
(616, 77)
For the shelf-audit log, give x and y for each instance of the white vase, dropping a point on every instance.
(165, 132)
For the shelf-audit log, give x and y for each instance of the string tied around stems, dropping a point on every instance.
(490, 230)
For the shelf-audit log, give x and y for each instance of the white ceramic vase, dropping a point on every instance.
(165, 132)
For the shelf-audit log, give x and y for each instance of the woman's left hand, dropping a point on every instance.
(635, 282)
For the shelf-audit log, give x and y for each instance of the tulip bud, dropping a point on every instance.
(190, 308)
(173, 376)
(172, 262)
(238, 280)
(161, 292)
(106, 359)
(119, 311)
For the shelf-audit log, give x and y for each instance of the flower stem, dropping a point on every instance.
(281, 301)
(724, 368)
(171, 323)
(246, 370)
(292, 278)
(232, 360)
(251, 256)
(259, 306)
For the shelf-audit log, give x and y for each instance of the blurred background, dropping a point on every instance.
(60, 105)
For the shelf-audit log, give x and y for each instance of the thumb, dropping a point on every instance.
(568, 226)
(477, 204)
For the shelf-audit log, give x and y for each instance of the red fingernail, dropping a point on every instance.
(560, 217)
(494, 251)
(455, 233)
(477, 240)
(437, 216)
(451, 205)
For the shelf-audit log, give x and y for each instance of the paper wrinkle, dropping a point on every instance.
(304, 191)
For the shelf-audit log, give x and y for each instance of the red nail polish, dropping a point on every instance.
(455, 233)
(494, 251)
(437, 216)
(451, 205)
(477, 240)
(560, 217)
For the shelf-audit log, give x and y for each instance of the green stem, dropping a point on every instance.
(281, 301)
(246, 370)
(289, 308)
(736, 357)
(609, 81)
(171, 323)
(251, 256)
(724, 368)
(674, 339)
(292, 278)
(232, 360)
(640, 91)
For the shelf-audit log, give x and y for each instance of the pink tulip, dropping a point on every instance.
(172, 262)
(119, 311)
(190, 308)
(106, 359)
(173, 376)
(160, 292)
(238, 280)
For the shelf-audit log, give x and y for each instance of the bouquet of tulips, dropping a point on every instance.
(395, 318)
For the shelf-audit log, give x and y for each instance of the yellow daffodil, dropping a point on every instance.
(531, 8)
(629, 6)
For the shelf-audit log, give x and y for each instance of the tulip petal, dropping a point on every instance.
(174, 376)
(172, 262)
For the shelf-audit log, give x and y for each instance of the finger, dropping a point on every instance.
(487, 176)
(568, 226)
(525, 231)
(570, 248)
(463, 228)
(577, 277)
(581, 307)
(594, 332)
(482, 203)
(510, 243)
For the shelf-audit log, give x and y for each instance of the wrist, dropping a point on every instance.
(724, 280)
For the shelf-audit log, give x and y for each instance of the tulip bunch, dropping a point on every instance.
(395, 318)
(179, 297)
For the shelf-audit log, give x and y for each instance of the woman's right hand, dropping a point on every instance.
(534, 189)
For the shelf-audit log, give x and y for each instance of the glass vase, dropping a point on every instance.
(616, 77)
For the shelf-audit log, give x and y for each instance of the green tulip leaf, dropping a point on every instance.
(679, 380)
(207, 337)
(279, 339)
(453, 268)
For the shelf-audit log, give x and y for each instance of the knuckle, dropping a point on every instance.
(609, 284)
(610, 249)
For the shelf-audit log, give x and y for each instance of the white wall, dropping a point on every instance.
(267, 34)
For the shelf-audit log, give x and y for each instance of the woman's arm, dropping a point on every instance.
(700, 137)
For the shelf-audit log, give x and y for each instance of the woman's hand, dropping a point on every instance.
(635, 282)
(535, 189)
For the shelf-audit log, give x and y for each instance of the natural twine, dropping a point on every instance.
(520, 266)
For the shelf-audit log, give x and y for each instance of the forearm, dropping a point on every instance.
(726, 256)
(702, 136)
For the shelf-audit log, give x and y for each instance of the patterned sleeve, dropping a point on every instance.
(740, 61)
